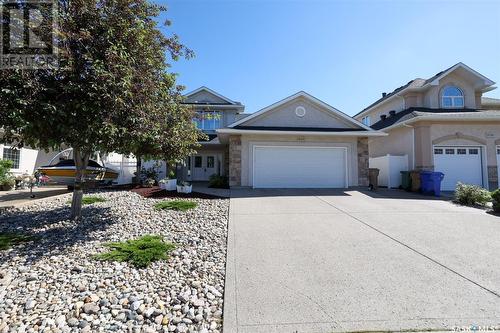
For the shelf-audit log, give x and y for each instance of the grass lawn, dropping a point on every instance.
(181, 205)
(7, 240)
(139, 252)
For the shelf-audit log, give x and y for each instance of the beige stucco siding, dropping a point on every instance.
(399, 142)
(249, 141)
(204, 97)
(432, 98)
(396, 103)
(469, 134)
(284, 116)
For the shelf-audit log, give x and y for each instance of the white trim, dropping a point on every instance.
(346, 176)
(301, 133)
(487, 82)
(498, 165)
(214, 106)
(15, 170)
(308, 97)
(441, 118)
(203, 88)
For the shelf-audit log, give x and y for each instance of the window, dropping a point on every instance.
(474, 151)
(452, 97)
(461, 151)
(210, 162)
(12, 154)
(438, 151)
(449, 151)
(366, 120)
(197, 161)
(208, 120)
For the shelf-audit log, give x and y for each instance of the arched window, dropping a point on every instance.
(452, 97)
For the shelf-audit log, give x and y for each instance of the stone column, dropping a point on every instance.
(234, 160)
(492, 177)
(363, 155)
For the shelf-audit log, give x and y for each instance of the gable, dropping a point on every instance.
(204, 97)
(300, 111)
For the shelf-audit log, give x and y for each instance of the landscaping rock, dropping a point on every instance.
(55, 284)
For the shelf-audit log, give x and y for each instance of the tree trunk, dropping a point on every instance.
(138, 167)
(81, 162)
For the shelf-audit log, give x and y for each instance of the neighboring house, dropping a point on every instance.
(298, 142)
(25, 160)
(443, 124)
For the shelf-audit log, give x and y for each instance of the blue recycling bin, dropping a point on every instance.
(431, 182)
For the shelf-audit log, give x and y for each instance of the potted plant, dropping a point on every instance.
(170, 182)
(185, 187)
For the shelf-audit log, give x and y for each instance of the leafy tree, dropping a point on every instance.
(112, 90)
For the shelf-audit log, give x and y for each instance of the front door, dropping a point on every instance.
(204, 166)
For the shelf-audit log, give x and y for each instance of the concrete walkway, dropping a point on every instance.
(325, 261)
(15, 198)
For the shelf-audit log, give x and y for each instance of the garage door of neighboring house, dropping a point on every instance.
(299, 167)
(459, 164)
(498, 165)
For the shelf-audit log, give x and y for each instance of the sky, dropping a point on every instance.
(345, 53)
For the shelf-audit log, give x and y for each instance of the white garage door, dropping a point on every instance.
(459, 164)
(498, 164)
(299, 167)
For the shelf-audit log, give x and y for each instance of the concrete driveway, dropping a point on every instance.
(325, 261)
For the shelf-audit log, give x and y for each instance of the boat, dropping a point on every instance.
(64, 171)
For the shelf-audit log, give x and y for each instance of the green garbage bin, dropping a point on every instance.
(405, 180)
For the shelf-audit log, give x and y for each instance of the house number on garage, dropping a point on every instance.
(301, 138)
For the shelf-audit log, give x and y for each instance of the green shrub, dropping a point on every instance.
(495, 196)
(7, 240)
(216, 181)
(139, 252)
(470, 195)
(7, 180)
(181, 205)
(91, 199)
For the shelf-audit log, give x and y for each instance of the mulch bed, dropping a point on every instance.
(157, 193)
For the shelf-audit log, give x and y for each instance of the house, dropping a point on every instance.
(443, 124)
(25, 160)
(298, 142)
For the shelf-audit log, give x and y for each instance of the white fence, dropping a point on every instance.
(126, 166)
(390, 167)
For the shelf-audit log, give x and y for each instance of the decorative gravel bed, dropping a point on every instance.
(53, 284)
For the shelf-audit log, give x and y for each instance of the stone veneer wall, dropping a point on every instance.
(492, 177)
(235, 160)
(363, 162)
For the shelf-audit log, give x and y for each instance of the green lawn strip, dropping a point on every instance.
(181, 205)
(139, 252)
(7, 240)
(90, 199)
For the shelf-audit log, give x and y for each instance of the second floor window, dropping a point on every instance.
(208, 120)
(452, 97)
(366, 121)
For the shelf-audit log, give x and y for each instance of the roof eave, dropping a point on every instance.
(301, 133)
(438, 118)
